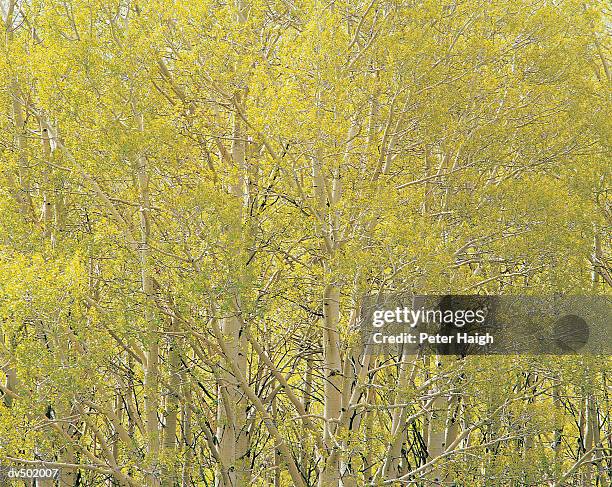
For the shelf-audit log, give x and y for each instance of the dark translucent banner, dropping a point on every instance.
(487, 325)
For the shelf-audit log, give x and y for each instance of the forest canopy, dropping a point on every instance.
(196, 195)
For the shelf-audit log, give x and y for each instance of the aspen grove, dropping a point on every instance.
(195, 195)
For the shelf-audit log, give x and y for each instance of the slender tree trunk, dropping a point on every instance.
(277, 457)
(558, 432)
(391, 465)
(172, 407)
(232, 429)
(305, 458)
(24, 192)
(332, 388)
(47, 191)
(151, 368)
(437, 433)
(231, 419)
(590, 423)
(186, 420)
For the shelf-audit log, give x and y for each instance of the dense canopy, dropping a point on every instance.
(196, 195)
